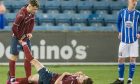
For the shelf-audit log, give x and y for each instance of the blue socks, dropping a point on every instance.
(131, 70)
(121, 68)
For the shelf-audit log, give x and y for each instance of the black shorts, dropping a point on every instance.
(16, 47)
(44, 76)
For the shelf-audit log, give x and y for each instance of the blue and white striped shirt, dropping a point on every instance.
(128, 25)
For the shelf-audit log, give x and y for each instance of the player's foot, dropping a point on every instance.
(118, 82)
(129, 82)
(11, 80)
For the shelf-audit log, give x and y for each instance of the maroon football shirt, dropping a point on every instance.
(23, 24)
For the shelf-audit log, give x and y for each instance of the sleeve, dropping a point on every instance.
(70, 81)
(16, 24)
(66, 81)
(138, 22)
(119, 21)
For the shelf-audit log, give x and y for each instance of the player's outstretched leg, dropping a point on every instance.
(27, 66)
(27, 51)
(30, 58)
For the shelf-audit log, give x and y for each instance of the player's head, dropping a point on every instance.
(132, 3)
(88, 81)
(33, 6)
(83, 79)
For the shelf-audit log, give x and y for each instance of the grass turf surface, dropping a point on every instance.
(100, 74)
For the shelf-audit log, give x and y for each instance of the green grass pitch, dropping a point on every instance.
(100, 74)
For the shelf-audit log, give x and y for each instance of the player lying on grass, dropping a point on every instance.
(46, 77)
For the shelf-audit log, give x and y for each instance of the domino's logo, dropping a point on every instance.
(44, 51)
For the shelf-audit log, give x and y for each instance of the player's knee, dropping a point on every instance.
(33, 78)
(121, 60)
(132, 59)
(30, 79)
(13, 57)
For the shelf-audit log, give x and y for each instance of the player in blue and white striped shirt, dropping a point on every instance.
(127, 24)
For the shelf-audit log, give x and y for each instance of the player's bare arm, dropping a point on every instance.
(33, 78)
(59, 80)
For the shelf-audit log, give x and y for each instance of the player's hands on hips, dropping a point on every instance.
(138, 36)
(29, 35)
(120, 35)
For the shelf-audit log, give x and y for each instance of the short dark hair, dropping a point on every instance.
(34, 3)
(88, 81)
